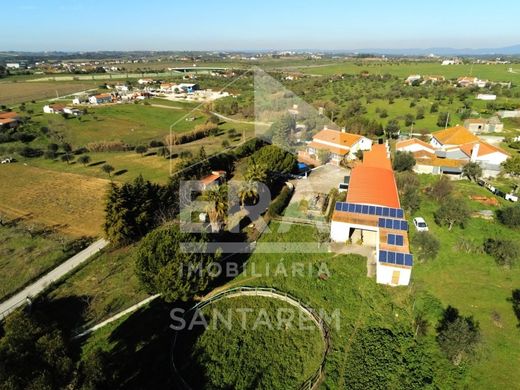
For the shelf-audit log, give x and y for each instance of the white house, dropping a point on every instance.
(414, 145)
(53, 109)
(12, 65)
(340, 145)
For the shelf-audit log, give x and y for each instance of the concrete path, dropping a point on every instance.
(41, 284)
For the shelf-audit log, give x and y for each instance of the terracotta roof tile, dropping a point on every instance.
(457, 135)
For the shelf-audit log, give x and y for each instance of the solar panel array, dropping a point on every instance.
(370, 210)
(395, 258)
(395, 239)
(396, 224)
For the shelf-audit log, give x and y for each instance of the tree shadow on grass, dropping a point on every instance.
(120, 172)
(142, 348)
(95, 164)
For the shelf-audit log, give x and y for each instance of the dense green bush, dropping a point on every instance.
(510, 216)
(279, 203)
(426, 246)
(505, 252)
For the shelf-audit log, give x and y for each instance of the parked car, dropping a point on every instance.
(511, 197)
(6, 160)
(420, 224)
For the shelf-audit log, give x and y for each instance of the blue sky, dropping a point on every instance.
(249, 24)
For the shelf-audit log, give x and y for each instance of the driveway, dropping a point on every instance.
(321, 180)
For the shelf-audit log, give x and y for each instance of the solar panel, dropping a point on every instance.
(399, 258)
(358, 208)
(400, 213)
(408, 260)
(382, 256)
(391, 239)
(393, 213)
(399, 240)
(379, 211)
(364, 209)
(372, 210)
(382, 222)
(386, 212)
(404, 225)
(390, 257)
(338, 206)
(351, 208)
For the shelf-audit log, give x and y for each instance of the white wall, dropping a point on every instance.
(495, 158)
(385, 272)
(415, 148)
(339, 231)
(436, 144)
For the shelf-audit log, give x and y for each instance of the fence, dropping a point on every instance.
(316, 377)
(12, 308)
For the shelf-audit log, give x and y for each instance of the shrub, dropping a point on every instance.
(426, 246)
(453, 211)
(441, 189)
(403, 161)
(200, 131)
(279, 203)
(30, 152)
(505, 252)
(510, 216)
(107, 146)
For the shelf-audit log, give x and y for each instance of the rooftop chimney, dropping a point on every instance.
(474, 152)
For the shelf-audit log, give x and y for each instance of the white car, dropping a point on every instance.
(420, 224)
(6, 160)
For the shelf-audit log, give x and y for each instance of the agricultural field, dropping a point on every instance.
(69, 203)
(26, 253)
(404, 69)
(22, 91)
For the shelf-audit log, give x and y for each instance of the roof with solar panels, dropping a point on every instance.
(373, 200)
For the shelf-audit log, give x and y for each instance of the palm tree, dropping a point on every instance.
(256, 172)
(217, 210)
(248, 190)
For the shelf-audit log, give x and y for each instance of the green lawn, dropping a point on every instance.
(25, 256)
(131, 123)
(476, 286)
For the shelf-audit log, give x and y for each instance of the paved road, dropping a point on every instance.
(37, 287)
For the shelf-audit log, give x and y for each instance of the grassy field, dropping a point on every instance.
(404, 69)
(68, 202)
(234, 354)
(131, 123)
(18, 92)
(477, 286)
(25, 255)
(104, 286)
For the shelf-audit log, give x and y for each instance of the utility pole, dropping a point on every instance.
(447, 120)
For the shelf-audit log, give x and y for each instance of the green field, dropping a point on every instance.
(26, 254)
(477, 286)
(405, 69)
(243, 355)
(131, 123)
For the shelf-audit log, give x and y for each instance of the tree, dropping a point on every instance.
(53, 147)
(426, 246)
(409, 120)
(420, 113)
(434, 108)
(256, 172)
(453, 211)
(282, 129)
(131, 210)
(442, 188)
(162, 266)
(108, 169)
(392, 128)
(408, 188)
(403, 161)
(512, 165)
(218, 208)
(443, 119)
(323, 156)
(457, 336)
(141, 149)
(472, 171)
(277, 160)
(248, 191)
(66, 148)
(505, 252)
(33, 354)
(67, 157)
(85, 159)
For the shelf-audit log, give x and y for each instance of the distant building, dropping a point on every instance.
(509, 113)
(481, 125)
(372, 216)
(101, 98)
(486, 96)
(53, 108)
(9, 119)
(412, 79)
(340, 145)
(12, 65)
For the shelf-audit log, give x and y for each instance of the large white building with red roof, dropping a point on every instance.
(372, 215)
